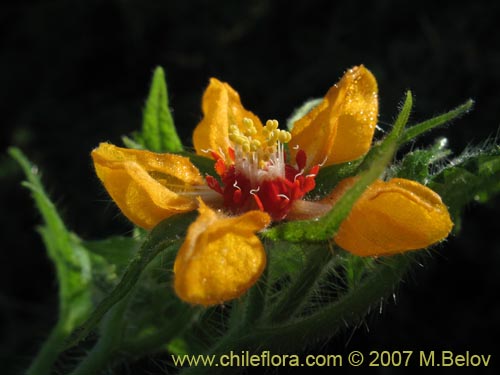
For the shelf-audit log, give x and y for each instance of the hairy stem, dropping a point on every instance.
(103, 353)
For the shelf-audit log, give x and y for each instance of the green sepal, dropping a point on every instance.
(392, 139)
(158, 131)
(424, 126)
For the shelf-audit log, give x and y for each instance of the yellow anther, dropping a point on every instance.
(238, 139)
(272, 124)
(255, 144)
(249, 127)
(243, 140)
(233, 137)
(248, 122)
(284, 136)
(245, 146)
(262, 143)
(271, 141)
(233, 129)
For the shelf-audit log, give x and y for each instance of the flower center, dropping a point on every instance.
(257, 175)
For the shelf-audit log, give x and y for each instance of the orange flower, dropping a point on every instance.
(222, 256)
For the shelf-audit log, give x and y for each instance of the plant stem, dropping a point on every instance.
(102, 354)
(324, 323)
(45, 358)
(138, 347)
(330, 319)
(299, 291)
(256, 300)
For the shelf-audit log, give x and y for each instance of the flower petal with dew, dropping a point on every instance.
(341, 127)
(392, 217)
(221, 257)
(222, 108)
(148, 187)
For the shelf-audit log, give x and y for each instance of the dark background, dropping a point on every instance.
(74, 73)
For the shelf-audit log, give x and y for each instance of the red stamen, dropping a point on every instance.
(213, 184)
(215, 155)
(237, 196)
(258, 201)
(314, 170)
(309, 184)
(232, 155)
(301, 159)
(220, 167)
(272, 195)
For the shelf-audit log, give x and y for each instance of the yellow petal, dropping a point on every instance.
(221, 107)
(221, 257)
(147, 187)
(393, 217)
(341, 127)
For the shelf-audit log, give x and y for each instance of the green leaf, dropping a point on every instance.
(301, 111)
(165, 237)
(158, 130)
(427, 125)
(109, 258)
(72, 265)
(471, 177)
(116, 250)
